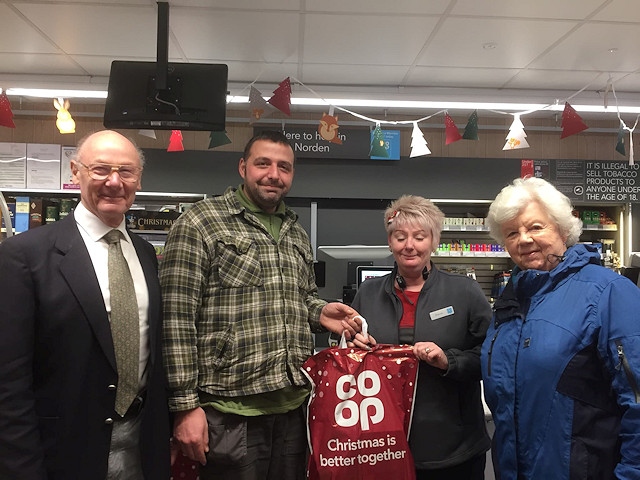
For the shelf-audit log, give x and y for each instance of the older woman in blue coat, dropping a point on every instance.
(561, 360)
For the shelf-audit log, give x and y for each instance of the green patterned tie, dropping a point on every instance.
(125, 329)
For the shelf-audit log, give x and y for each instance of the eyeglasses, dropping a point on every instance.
(533, 231)
(101, 172)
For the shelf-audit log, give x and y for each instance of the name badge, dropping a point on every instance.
(443, 312)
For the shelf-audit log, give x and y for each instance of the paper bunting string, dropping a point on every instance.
(377, 144)
(217, 139)
(605, 99)
(328, 128)
(471, 130)
(451, 130)
(6, 115)
(258, 106)
(148, 133)
(175, 142)
(281, 98)
(571, 122)
(516, 138)
(418, 143)
(620, 141)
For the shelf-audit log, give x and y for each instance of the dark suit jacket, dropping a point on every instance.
(57, 360)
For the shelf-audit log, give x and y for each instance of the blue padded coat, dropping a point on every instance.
(561, 370)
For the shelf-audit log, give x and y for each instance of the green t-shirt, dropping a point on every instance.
(271, 221)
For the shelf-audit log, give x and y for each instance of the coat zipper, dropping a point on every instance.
(490, 352)
(624, 363)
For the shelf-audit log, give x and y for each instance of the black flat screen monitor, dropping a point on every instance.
(195, 97)
(365, 272)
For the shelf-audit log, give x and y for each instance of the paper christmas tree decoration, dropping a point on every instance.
(377, 144)
(571, 122)
(6, 115)
(175, 142)
(418, 143)
(148, 133)
(451, 130)
(281, 98)
(258, 106)
(620, 141)
(471, 130)
(328, 128)
(516, 138)
(217, 139)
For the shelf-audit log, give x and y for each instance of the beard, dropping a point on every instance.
(265, 197)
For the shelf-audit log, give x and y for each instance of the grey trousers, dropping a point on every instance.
(124, 455)
(266, 447)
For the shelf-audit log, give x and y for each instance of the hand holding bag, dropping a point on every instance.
(359, 412)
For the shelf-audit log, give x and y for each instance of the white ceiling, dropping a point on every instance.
(425, 49)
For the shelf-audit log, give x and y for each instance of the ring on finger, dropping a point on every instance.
(427, 350)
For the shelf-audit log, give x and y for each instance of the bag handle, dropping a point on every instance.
(365, 328)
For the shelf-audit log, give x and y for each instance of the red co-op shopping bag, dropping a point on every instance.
(359, 413)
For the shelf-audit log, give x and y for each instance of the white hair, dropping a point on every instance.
(517, 195)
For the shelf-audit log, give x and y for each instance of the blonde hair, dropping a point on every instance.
(412, 209)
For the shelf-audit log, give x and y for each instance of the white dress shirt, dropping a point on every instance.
(92, 230)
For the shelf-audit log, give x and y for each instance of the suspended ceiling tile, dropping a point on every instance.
(36, 63)
(620, 11)
(17, 36)
(110, 30)
(588, 49)
(246, 73)
(101, 65)
(364, 7)
(100, 3)
(460, 77)
(628, 83)
(356, 46)
(237, 4)
(460, 42)
(558, 79)
(568, 9)
(365, 39)
(237, 35)
(369, 75)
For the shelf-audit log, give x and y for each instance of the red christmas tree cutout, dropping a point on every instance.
(6, 115)
(451, 130)
(281, 98)
(571, 122)
(175, 142)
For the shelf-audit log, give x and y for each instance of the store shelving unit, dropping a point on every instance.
(151, 201)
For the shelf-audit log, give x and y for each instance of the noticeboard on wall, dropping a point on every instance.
(586, 181)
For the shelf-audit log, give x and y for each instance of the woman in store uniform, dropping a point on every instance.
(444, 316)
(561, 361)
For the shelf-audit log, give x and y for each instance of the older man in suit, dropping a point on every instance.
(60, 373)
